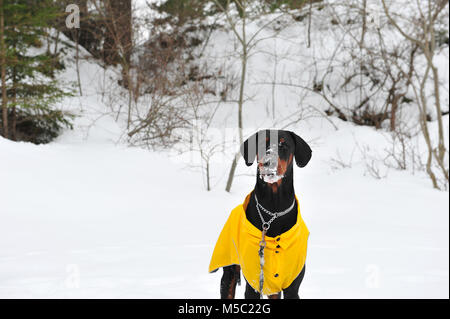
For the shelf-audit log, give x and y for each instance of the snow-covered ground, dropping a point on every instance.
(97, 220)
(89, 217)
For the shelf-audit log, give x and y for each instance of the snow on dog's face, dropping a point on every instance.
(275, 151)
(274, 157)
(268, 166)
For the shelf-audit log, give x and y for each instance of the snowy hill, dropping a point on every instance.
(87, 216)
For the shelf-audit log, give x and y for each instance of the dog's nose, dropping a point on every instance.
(269, 161)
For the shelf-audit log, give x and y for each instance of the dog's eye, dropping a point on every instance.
(282, 144)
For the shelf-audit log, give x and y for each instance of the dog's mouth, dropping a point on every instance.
(270, 172)
(270, 178)
(268, 167)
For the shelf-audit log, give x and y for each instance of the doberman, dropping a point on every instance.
(275, 151)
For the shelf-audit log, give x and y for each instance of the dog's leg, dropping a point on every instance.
(291, 292)
(250, 293)
(230, 278)
(275, 296)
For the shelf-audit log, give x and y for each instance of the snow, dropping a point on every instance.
(88, 216)
(95, 220)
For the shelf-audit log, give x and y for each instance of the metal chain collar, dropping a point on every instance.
(266, 225)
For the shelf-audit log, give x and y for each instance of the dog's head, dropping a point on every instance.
(275, 151)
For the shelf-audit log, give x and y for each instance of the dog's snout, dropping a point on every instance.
(269, 163)
(269, 158)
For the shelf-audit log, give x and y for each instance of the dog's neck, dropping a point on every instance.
(275, 198)
(278, 196)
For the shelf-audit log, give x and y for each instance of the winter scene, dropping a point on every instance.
(207, 149)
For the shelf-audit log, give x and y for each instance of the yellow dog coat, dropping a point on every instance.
(284, 255)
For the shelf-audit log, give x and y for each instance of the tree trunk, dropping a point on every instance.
(364, 24)
(119, 37)
(429, 51)
(394, 106)
(118, 42)
(425, 131)
(441, 146)
(77, 59)
(241, 94)
(274, 80)
(309, 23)
(208, 184)
(244, 58)
(3, 72)
(232, 171)
(129, 85)
(13, 109)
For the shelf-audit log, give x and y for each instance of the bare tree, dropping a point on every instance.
(118, 44)
(423, 35)
(201, 140)
(76, 35)
(241, 35)
(159, 75)
(238, 25)
(403, 152)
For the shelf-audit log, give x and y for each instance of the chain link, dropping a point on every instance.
(266, 225)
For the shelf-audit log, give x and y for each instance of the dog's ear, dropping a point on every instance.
(248, 149)
(302, 152)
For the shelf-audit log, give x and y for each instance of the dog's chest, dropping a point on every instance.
(279, 226)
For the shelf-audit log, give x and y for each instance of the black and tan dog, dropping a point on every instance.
(272, 206)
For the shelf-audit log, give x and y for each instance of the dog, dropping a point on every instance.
(285, 235)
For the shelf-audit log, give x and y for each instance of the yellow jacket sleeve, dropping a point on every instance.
(226, 251)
